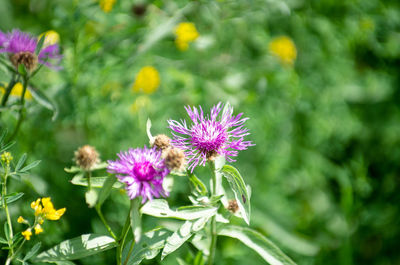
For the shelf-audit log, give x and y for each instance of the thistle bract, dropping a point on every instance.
(210, 135)
(143, 172)
(21, 48)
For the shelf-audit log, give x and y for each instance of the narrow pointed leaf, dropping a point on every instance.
(106, 189)
(32, 251)
(259, 243)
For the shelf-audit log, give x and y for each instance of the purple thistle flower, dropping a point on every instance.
(143, 172)
(210, 135)
(21, 48)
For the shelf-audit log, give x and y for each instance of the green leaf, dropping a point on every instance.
(3, 241)
(22, 69)
(160, 208)
(77, 248)
(198, 185)
(106, 189)
(12, 197)
(259, 243)
(30, 166)
(91, 198)
(21, 161)
(43, 100)
(6, 147)
(239, 188)
(75, 169)
(148, 247)
(6, 231)
(32, 251)
(97, 182)
(182, 235)
(135, 219)
(40, 44)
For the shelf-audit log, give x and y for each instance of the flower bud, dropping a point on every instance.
(162, 142)
(86, 157)
(233, 206)
(175, 159)
(28, 59)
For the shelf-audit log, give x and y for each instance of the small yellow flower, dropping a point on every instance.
(147, 80)
(283, 48)
(21, 220)
(51, 37)
(38, 229)
(6, 157)
(27, 234)
(185, 33)
(44, 208)
(107, 5)
(16, 91)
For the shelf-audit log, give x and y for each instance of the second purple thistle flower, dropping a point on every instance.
(210, 135)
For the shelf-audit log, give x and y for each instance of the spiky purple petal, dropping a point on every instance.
(143, 172)
(209, 135)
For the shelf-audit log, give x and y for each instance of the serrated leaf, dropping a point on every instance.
(30, 166)
(160, 208)
(106, 189)
(32, 251)
(21, 161)
(135, 219)
(180, 236)
(239, 188)
(12, 197)
(259, 243)
(96, 182)
(77, 248)
(148, 247)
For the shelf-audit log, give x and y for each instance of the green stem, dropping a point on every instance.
(213, 224)
(122, 238)
(98, 210)
(89, 180)
(3, 194)
(8, 91)
(21, 113)
(130, 252)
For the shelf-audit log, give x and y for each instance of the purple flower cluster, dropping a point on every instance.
(143, 172)
(21, 43)
(210, 135)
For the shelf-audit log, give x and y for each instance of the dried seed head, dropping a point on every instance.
(86, 157)
(175, 159)
(162, 142)
(28, 59)
(233, 206)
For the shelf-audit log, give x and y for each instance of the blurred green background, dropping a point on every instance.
(326, 122)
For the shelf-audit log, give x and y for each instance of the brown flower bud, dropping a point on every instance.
(162, 142)
(175, 159)
(28, 59)
(86, 157)
(233, 206)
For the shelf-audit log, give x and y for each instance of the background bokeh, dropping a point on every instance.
(326, 122)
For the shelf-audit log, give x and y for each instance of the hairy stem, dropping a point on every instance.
(213, 224)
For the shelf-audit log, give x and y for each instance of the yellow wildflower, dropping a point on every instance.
(21, 220)
(283, 48)
(107, 5)
(38, 229)
(50, 37)
(16, 90)
(27, 234)
(6, 157)
(44, 208)
(185, 32)
(147, 80)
